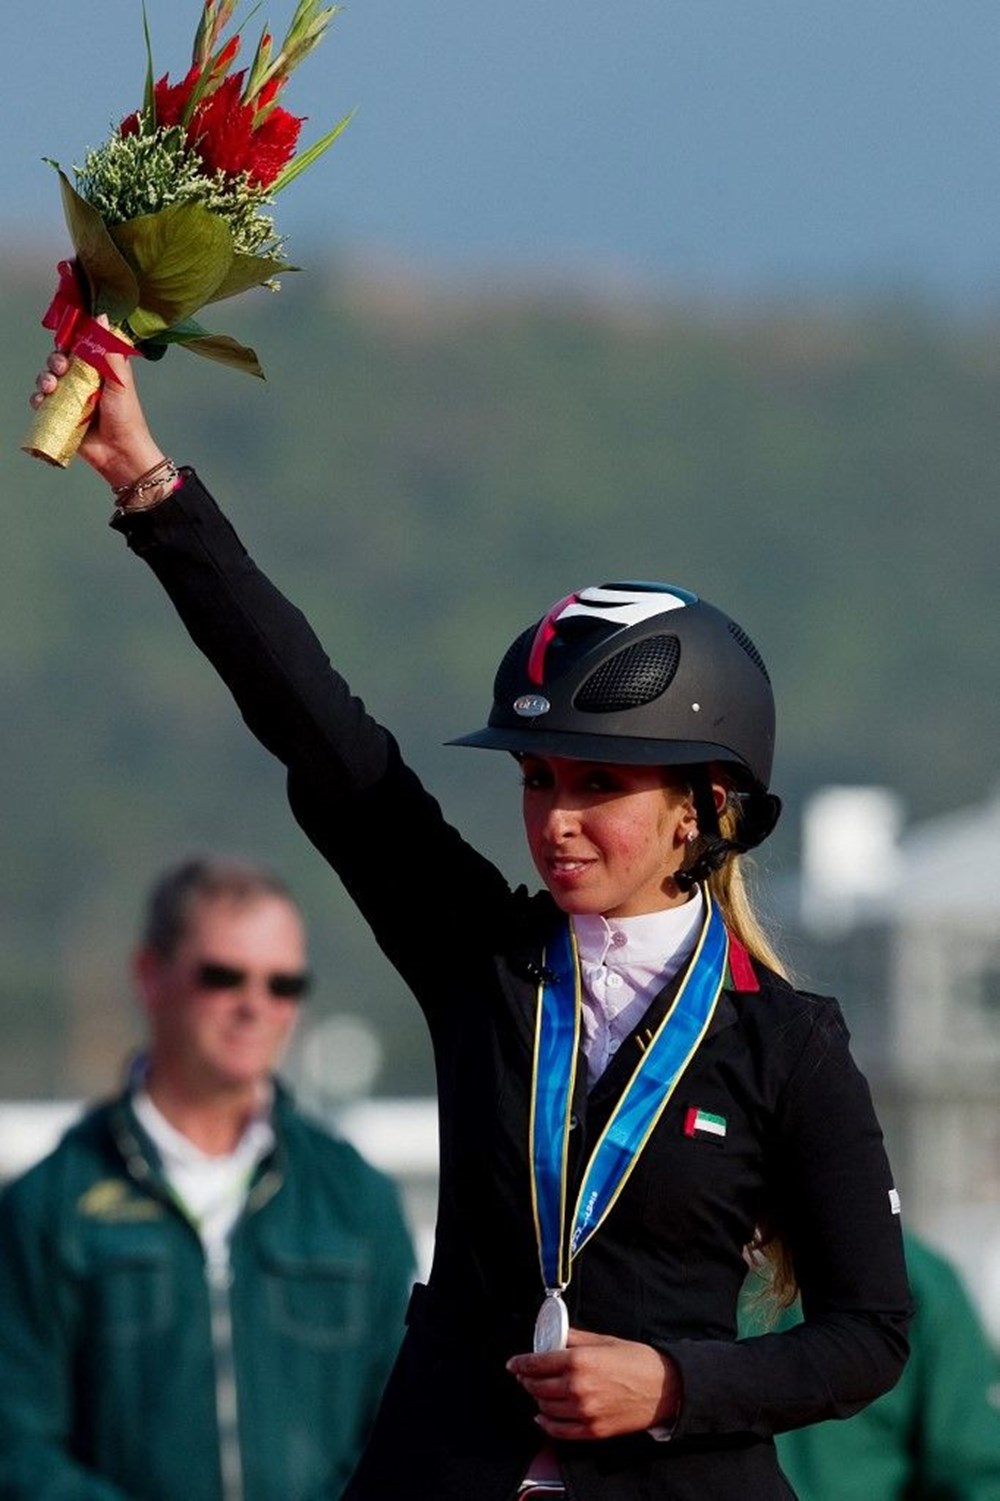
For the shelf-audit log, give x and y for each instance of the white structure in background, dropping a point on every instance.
(29, 1129)
(946, 989)
(932, 896)
(850, 856)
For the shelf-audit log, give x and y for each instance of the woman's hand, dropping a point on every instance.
(118, 443)
(599, 1387)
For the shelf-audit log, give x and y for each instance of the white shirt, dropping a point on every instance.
(211, 1190)
(624, 963)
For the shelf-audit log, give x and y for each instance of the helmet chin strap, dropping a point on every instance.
(757, 814)
(708, 850)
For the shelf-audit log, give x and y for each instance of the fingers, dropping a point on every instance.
(548, 1389)
(588, 1337)
(570, 1413)
(46, 380)
(117, 363)
(570, 1428)
(117, 443)
(568, 1406)
(600, 1385)
(553, 1363)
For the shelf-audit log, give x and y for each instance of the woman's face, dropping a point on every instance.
(605, 838)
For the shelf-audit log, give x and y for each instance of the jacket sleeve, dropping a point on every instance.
(36, 1363)
(838, 1212)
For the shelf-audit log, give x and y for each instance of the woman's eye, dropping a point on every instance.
(534, 781)
(602, 781)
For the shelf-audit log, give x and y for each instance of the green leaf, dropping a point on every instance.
(192, 335)
(306, 158)
(148, 95)
(249, 271)
(226, 351)
(259, 67)
(113, 286)
(189, 328)
(181, 255)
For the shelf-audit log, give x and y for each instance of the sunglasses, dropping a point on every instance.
(282, 986)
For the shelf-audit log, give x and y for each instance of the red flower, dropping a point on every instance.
(171, 100)
(230, 137)
(274, 142)
(271, 90)
(226, 56)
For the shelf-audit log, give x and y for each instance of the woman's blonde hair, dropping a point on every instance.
(729, 888)
(768, 1251)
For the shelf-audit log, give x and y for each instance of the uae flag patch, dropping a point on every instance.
(703, 1123)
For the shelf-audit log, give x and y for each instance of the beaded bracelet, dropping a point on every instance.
(126, 496)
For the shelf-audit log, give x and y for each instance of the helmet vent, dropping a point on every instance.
(631, 677)
(741, 636)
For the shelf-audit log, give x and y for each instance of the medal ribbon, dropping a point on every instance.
(645, 1097)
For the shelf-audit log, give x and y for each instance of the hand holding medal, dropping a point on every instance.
(599, 1386)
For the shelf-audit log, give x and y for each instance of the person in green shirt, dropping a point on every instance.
(936, 1435)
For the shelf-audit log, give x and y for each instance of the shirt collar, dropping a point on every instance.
(646, 942)
(176, 1148)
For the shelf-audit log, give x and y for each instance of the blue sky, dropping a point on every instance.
(720, 145)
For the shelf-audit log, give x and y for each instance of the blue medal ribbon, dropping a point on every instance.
(642, 1102)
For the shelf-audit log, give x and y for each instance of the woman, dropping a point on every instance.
(630, 1096)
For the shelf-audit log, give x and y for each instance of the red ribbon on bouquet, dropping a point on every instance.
(79, 334)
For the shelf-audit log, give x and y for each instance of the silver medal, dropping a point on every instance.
(551, 1325)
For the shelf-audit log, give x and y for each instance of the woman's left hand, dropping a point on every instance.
(599, 1386)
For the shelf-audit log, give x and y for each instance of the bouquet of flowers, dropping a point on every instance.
(171, 214)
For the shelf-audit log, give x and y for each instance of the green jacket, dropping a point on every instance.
(126, 1371)
(936, 1435)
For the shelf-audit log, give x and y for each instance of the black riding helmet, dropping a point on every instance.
(644, 674)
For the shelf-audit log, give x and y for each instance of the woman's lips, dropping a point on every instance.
(567, 867)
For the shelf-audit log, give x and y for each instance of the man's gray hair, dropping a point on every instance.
(202, 879)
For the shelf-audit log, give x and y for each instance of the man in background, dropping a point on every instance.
(201, 1292)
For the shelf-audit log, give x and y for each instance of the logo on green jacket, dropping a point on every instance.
(113, 1201)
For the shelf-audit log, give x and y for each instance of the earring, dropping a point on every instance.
(691, 836)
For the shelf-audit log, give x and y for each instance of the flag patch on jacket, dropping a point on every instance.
(703, 1123)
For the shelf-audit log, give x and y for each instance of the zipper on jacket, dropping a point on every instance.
(219, 1277)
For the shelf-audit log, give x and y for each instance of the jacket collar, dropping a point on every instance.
(142, 1160)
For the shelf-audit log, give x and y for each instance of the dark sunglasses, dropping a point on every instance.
(283, 987)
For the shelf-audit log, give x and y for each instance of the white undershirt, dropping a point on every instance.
(211, 1190)
(624, 963)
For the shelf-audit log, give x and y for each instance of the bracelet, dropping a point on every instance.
(161, 473)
